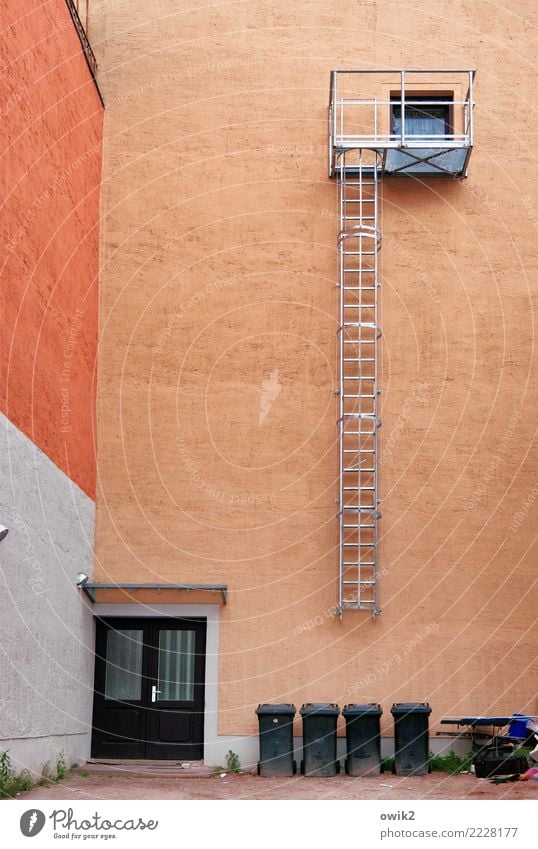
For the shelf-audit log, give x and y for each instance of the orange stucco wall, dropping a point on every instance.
(50, 167)
(218, 291)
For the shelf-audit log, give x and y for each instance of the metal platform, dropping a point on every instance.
(389, 118)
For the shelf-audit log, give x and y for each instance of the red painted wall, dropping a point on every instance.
(50, 170)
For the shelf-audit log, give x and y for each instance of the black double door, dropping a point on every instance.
(149, 688)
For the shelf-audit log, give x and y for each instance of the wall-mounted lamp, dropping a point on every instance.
(81, 578)
(3, 532)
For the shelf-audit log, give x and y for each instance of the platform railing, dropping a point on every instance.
(356, 122)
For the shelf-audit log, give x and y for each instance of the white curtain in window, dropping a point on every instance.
(426, 121)
(176, 665)
(123, 676)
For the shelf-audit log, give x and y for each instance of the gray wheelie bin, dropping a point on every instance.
(411, 737)
(276, 739)
(319, 740)
(363, 739)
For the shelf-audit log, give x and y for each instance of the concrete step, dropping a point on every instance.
(147, 769)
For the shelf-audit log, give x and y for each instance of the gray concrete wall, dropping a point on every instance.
(46, 624)
(248, 750)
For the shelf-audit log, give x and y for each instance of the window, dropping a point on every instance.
(123, 676)
(427, 116)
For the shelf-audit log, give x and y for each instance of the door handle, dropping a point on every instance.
(154, 692)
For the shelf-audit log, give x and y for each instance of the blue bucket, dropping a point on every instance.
(518, 725)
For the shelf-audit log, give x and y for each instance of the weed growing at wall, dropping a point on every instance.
(233, 763)
(60, 766)
(11, 782)
(452, 763)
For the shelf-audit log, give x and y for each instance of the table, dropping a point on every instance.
(483, 741)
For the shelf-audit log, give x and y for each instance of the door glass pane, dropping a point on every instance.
(123, 677)
(176, 666)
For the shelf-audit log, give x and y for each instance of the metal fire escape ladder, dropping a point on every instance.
(358, 173)
(376, 131)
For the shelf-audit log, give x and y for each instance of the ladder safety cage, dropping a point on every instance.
(358, 174)
(364, 148)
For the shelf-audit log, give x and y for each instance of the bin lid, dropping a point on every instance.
(280, 709)
(372, 709)
(400, 708)
(320, 709)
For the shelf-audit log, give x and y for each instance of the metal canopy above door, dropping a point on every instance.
(91, 589)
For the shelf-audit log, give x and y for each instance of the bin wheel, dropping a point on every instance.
(302, 767)
(337, 767)
(295, 767)
(429, 768)
(258, 768)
